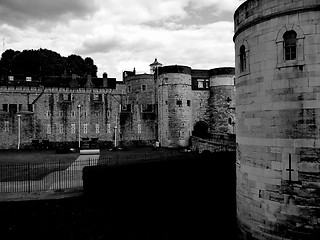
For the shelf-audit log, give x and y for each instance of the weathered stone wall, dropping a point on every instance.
(175, 116)
(218, 143)
(200, 106)
(222, 101)
(277, 109)
(139, 123)
(53, 118)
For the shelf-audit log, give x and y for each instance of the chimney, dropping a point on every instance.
(105, 80)
(89, 83)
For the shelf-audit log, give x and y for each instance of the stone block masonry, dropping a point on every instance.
(54, 115)
(277, 112)
(169, 106)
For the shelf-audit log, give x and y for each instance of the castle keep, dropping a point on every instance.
(169, 104)
(277, 46)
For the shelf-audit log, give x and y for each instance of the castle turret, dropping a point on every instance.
(174, 108)
(278, 115)
(222, 99)
(154, 66)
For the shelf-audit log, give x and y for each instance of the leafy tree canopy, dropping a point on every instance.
(45, 62)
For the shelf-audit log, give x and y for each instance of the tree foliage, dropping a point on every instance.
(44, 62)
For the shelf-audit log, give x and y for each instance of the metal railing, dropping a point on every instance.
(33, 177)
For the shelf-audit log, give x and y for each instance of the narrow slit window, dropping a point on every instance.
(243, 58)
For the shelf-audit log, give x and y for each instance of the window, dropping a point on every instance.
(65, 96)
(200, 83)
(147, 108)
(6, 126)
(139, 128)
(5, 107)
(13, 108)
(61, 128)
(30, 107)
(73, 128)
(188, 103)
(10, 78)
(290, 45)
(179, 103)
(85, 128)
(48, 113)
(73, 113)
(126, 108)
(243, 59)
(97, 97)
(143, 87)
(108, 128)
(97, 128)
(129, 88)
(48, 128)
(28, 79)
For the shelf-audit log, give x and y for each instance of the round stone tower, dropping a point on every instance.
(174, 108)
(222, 100)
(277, 54)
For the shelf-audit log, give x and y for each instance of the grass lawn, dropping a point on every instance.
(14, 156)
(32, 165)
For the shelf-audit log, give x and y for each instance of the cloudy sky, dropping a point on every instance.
(122, 34)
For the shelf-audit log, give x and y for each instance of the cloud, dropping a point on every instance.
(198, 46)
(121, 34)
(32, 12)
(218, 5)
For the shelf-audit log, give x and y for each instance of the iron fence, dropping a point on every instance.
(33, 177)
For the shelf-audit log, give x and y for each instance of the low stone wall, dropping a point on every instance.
(216, 143)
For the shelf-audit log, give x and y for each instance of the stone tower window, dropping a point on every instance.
(290, 45)
(243, 58)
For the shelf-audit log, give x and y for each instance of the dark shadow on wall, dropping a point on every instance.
(201, 130)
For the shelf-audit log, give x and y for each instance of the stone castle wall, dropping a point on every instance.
(140, 110)
(175, 111)
(278, 114)
(138, 120)
(55, 114)
(221, 101)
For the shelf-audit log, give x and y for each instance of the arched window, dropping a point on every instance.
(290, 45)
(243, 59)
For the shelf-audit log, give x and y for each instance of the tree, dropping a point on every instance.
(44, 62)
(91, 68)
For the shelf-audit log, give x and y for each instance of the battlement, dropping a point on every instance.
(222, 71)
(33, 89)
(175, 69)
(252, 12)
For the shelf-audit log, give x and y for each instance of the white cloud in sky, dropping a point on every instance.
(121, 34)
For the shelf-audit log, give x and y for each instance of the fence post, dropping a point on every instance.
(29, 178)
(59, 180)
